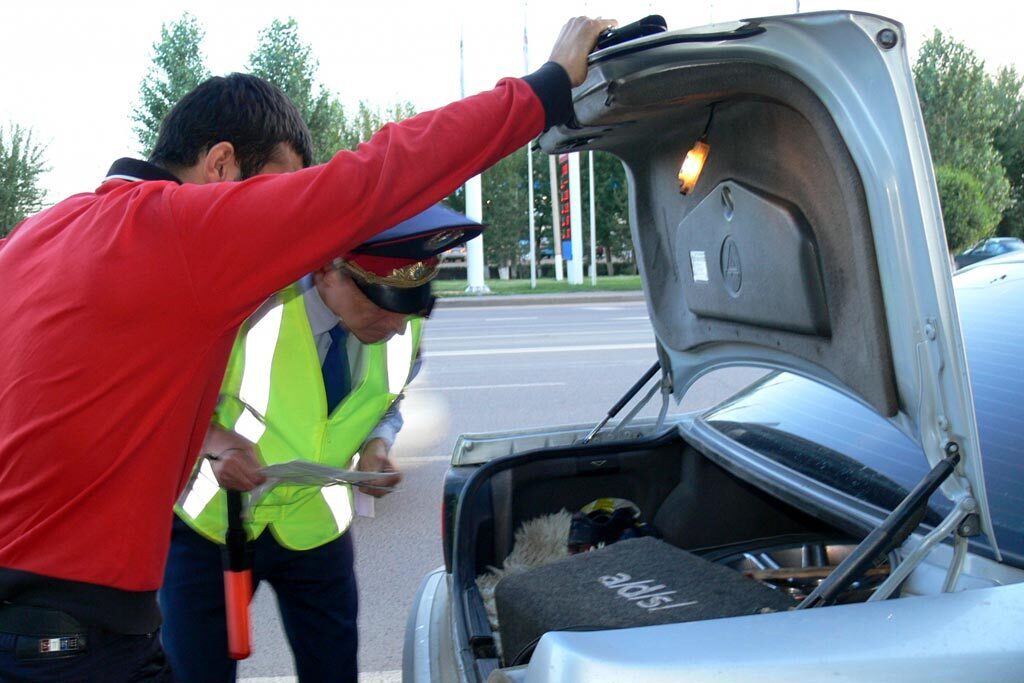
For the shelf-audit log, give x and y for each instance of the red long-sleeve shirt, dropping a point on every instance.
(118, 309)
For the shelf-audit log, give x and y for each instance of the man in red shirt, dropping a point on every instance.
(118, 312)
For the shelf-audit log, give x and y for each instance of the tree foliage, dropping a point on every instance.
(961, 115)
(177, 68)
(611, 195)
(21, 165)
(359, 126)
(965, 211)
(1009, 142)
(282, 58)
(506, 213)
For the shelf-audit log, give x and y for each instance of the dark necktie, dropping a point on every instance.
(336, 380)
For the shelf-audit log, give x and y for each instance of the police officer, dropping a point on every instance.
(286, 399)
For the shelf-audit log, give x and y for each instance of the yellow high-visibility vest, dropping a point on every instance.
(273, 395)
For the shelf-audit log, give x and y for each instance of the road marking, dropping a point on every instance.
(428, 338)
(540, 349)
(485, 386)
(364, 677)
(471, 310)
(419, 459)
(516, 319)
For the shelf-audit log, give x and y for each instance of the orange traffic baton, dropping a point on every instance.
(237, 580)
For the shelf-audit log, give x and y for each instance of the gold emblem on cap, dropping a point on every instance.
(409, 276)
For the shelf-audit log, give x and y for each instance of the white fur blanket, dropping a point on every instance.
(539, 541)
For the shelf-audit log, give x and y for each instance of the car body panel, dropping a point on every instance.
(972, 635)
(832, 62)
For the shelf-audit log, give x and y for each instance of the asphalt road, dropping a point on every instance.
(486, 369)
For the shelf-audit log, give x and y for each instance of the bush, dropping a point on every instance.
(965, 211)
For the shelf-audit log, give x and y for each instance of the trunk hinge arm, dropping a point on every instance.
(962, 522)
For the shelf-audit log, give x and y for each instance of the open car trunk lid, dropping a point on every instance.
(813, 240)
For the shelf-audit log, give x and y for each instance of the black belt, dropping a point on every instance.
(44, 633)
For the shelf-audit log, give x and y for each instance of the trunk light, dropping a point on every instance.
(693, 164)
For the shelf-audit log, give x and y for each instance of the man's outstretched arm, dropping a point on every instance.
(244, 240)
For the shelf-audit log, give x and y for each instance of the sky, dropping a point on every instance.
(71, 70)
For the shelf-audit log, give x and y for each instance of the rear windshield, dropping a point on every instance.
(820, 432)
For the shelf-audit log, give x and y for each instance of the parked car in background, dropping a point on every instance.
(802, 235)
(987, 248)
(454, 255)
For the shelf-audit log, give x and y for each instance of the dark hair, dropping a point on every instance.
(250, 113)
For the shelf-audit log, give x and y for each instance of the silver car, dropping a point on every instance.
(802, 235)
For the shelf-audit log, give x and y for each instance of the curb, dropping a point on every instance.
(538, 299)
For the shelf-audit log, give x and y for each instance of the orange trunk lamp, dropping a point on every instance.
(693, 164)
(237, 580)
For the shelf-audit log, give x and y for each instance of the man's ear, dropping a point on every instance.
(219, 164)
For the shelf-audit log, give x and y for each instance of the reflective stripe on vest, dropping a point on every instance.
(260, 343)
(273, 395)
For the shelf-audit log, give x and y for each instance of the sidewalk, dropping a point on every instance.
(591, 297)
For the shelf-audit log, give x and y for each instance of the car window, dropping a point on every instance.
(783, 410)
(991, 306)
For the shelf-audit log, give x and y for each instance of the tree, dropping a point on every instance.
(965, 211)
(1009, 142)
(21, 165)
(367, 120)
(177, 68)
(611, 197)
(505, 197)
(282, 58)
(961, 116)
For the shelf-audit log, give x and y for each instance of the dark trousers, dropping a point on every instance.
(107, 658)
(316, 595)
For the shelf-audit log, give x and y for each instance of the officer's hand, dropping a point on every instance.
(373, 457)
(234, 459)
(575, 42)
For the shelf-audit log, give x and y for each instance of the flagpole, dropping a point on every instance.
(474, 202)
(529, 167)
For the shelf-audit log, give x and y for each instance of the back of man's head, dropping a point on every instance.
(247, 111)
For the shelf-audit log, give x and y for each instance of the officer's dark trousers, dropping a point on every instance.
(316, 595)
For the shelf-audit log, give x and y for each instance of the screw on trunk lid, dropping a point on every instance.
(887, 38)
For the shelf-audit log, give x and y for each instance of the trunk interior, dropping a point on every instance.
(693, 503)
